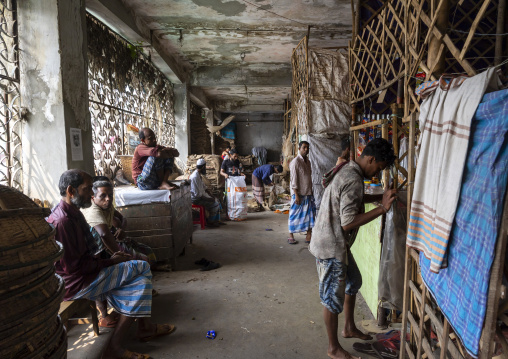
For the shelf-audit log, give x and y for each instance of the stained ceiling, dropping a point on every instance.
(238, 52)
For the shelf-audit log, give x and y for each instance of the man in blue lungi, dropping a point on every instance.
(126, 284)
(303, 209)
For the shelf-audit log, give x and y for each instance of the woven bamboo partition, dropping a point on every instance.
(397, 45)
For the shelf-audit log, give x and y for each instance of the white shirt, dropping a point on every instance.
(198, 188)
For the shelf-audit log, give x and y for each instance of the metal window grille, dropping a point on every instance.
(10, 119)
(124, 89)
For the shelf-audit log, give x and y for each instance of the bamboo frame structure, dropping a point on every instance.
(396, 45)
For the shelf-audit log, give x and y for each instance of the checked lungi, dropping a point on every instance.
(258, 188)
(212, 205)
(127, 287)
(303, 215)
(148, 179)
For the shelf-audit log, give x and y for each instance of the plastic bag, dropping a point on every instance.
(393, 253)
(237, 198)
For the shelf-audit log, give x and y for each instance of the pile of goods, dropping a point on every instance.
(30, 291)
(213, 163)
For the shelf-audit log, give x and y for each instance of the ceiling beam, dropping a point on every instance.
(267, 75)
(240, 107)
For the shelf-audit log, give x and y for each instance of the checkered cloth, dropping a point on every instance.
(148, 180)
(303, 215)
(461, 289)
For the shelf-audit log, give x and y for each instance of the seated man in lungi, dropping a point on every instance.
(303, 209)
(126, 284)
(200, 196)
(260, 177)
(152, 164)
(340, 215)
(108, 229)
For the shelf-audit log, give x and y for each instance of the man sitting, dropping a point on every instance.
(200, 195)
(126, 284)
(152, 164)
(260, 177)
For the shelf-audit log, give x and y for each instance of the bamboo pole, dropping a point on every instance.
(501, 17)
(434, 59)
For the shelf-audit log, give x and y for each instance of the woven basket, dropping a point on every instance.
(30, 291)
(126, 162)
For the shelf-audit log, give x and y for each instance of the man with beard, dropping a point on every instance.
(200, 196)
(126, 284)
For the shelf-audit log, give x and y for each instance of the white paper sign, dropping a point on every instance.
(76, 144)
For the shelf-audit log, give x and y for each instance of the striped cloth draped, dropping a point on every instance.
(258, 189)
(303, 215)
(126, 286)
(445, 121)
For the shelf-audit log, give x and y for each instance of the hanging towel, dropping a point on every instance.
(260, 154)
(461, 290)
(445, 121)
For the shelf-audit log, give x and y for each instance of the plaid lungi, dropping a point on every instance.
(258, 188)
(212, 205)
(302, 216)
(126, 286)
(148, 179)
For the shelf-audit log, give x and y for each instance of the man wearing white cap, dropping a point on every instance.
(202, 197)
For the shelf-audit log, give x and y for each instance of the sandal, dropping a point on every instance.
(154, 293)
(127, 354)
(108, 322)
(210, 266)
(160, 330)
(292, 241)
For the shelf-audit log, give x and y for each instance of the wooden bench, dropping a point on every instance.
(71, 308)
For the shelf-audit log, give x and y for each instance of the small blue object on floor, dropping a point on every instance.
(211, 334)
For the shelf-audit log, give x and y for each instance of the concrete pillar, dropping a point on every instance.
(182, 119)
(54, 90)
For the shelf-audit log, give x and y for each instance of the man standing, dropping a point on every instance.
(200, 195)
(125, 283)
(340, 216)
(152, 164)
(260, 177)
(303, 209)
(232, 166)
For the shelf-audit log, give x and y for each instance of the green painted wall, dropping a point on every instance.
(367, 252)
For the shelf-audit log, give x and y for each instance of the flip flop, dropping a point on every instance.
(387, 335)
(202, 262)
(154, 293)
(108, 323)
(159, 332)
(210, 266)
(292, 241)
(127, 354)
(365, 348)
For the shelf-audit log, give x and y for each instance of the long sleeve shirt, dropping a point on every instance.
(77, 267)
(198, 188)
(263, 173)
(300, 176)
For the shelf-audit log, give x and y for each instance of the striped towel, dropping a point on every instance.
(445, 121)
(303, 215)
(126, 286)
(461, 290)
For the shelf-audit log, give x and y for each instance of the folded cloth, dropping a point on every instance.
(461, 290)
(445, 120)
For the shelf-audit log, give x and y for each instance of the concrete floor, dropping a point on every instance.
(262, 303)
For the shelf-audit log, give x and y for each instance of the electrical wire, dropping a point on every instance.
(271, 12)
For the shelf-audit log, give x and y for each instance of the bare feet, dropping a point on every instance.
(167, 185)
(355, 333)
(340, 353)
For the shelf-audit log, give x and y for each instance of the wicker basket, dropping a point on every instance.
(30, 291)
(126, 162)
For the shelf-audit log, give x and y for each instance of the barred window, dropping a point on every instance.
(125, 88)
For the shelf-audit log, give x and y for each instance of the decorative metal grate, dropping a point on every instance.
(10, 119)
(124, 89)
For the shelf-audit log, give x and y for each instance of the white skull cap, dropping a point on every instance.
(201, 162)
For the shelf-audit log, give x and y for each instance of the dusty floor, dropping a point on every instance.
(262, 303)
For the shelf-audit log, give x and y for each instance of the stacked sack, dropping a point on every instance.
(30, 291)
